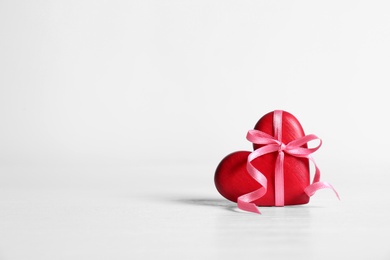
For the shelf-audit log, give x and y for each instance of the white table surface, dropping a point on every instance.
(174, 212)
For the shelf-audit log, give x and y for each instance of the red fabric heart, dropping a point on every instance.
(233, 180)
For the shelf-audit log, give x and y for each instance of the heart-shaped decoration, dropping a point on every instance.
(232, 179)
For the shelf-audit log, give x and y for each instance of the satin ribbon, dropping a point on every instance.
(275, 144)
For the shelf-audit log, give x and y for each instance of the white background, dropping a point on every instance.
(114, 115)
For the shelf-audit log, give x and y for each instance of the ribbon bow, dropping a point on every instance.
(275, 144)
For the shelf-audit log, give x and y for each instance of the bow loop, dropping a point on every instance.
(295, 147)
(259, 137)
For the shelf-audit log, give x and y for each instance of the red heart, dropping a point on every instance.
(232, 179)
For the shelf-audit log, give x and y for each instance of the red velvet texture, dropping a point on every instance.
(232, 179)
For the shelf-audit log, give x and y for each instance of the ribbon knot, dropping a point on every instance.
(282, 147)
(275, 144)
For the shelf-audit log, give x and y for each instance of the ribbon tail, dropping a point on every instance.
(317, 174)
(244, 202)
(313, 188)
(317, 184)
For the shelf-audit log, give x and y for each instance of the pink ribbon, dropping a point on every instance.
(275, 144)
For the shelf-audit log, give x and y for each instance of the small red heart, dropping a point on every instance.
(233, 180)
